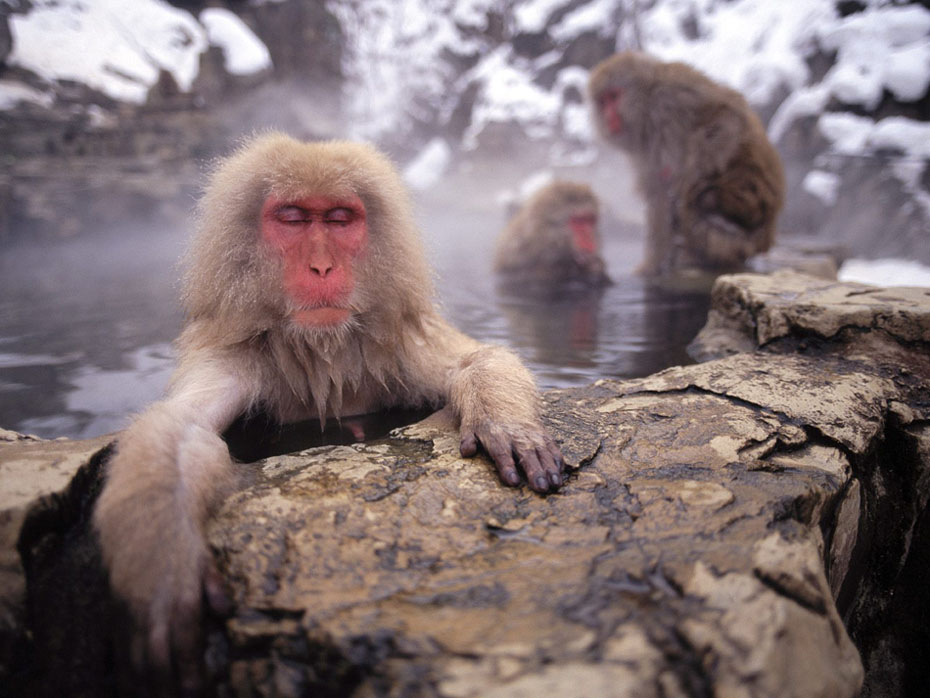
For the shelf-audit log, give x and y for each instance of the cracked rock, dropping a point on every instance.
(752, 526)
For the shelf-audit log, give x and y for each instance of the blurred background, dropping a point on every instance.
(111, 112)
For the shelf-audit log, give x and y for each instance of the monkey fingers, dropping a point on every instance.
(167, 655)
(167, 645)
(542, 462)
(497, 446)
(536, 453)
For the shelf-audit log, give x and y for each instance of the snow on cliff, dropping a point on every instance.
(119, 47)
(399, 65)
(414, 61)
(399, 59)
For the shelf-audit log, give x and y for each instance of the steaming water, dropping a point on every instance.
(86, 326)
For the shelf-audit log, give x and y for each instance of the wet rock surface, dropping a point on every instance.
(752, 526)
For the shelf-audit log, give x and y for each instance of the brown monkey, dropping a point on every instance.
(307, 295)
(713, 183)
(553, 239)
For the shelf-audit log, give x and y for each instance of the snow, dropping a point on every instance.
(534, 183)
(885, 272)
(760, 48)
(510, 95)
(903, 135)
(906, 73)
(473, 13)
(530, 17)
(806, 102)
(885, 47)
(755, 46)
(587, 18)
(13, 93)
(119, 48)
(847, 133)
(404, 60)
(513, 198)
(116, 47)
(243, 52)
(823, 185)
(395, 52)
(881, 47)
(429, 165)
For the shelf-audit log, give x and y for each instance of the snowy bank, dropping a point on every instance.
(120, 48)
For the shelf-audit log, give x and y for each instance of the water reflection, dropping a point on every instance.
(84, 331)
(628, 329)
(85, 326)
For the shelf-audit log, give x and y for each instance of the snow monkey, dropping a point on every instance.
(307, 296)
(712, 181)
(554, 238)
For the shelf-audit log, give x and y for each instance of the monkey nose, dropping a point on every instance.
(321, 269)
(320, 261)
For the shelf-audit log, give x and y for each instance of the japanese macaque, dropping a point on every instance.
(307, 296)
(712, 181)
(553, 239)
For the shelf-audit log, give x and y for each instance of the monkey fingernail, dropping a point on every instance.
(542, 484)
(555, 479)
(511, 477)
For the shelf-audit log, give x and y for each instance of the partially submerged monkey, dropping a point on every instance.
(307, 295)
(712, 181)
(553, 239)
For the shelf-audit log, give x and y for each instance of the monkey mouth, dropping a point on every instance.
(322, 316)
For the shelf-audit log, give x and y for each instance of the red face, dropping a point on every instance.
(318, 239)
(608, 103)
(583, 226)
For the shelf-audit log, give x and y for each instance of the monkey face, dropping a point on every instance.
(583, 227)
(318, 239)
(608, 105)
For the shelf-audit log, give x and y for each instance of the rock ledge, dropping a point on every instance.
(751, 526)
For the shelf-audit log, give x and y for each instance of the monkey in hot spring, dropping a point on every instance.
(712, 181)
(307, 295)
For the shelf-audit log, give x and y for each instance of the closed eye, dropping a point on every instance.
(339, 216)
(291, 214)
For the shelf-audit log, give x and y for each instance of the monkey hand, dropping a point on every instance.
(509, 445)
(149, 519)
(164, 585)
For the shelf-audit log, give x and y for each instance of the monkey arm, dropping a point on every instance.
(659, 252)
(169, 469)
(495, 400)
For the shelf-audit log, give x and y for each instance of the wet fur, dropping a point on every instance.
(536, 245)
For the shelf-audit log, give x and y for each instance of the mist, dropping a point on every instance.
(476, 101)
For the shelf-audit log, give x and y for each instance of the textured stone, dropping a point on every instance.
(752, 310)
(728, 529)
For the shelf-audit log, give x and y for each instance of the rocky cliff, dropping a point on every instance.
(843, 86)
(755, 525)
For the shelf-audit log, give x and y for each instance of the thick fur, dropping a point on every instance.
(239, 352)
(713, 183)
(536, 245)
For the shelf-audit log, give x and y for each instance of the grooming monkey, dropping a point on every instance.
(307, 296)
(712, 181)
(553, 239)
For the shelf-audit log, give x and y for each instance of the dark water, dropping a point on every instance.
(86, 326)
